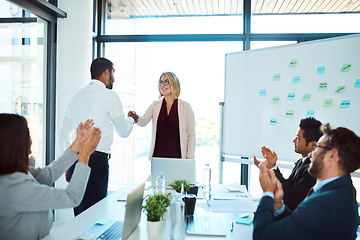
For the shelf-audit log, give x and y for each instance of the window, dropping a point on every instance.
(200, 68)
(23, 69)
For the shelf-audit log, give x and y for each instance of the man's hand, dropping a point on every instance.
(134, 116)
(270, 156)
(67, 177)
(278, 196)
(257, 163)
(268, 180)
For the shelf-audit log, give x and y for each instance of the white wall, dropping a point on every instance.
(74, 53)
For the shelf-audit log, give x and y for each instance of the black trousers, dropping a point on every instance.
(97, 185)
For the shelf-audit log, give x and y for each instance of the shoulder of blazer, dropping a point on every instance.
(183, 102)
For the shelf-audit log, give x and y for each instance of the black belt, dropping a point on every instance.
(101, 154)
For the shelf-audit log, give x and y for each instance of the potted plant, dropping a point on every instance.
(176, 185)
(155, 207)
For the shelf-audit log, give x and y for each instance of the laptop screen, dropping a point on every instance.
(173, 169)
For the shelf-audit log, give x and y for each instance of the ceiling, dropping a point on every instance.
(162, 8)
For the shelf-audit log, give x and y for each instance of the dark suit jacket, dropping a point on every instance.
(297, 185)
(329, 213)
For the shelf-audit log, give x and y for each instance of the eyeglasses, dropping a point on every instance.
(314, 146)
(166, 82)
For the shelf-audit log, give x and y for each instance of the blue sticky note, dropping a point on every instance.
(320, 70)
(345, 104)
(310, 113)
(357, 83)
(296, 80)
(291, 96)
(262, 93)
(273, 121)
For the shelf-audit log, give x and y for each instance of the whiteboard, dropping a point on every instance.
(255, 79)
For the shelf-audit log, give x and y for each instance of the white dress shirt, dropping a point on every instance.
(102, 105)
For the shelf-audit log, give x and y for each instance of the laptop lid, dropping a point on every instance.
(173, 168)
(132, 218)
(133, 210)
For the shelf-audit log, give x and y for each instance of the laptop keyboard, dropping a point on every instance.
(114, 232)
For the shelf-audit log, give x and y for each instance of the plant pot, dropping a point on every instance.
(154, 228)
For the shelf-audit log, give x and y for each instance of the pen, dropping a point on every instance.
(232, 227)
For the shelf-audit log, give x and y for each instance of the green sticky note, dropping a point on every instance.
(340, 89)
(323, 86)
(346, 68)
(328, 102)
(275, 99)
(293, 63)
(306, 97)
(276, 77)
(289, 113)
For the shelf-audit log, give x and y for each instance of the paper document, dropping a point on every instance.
(233, 205)
(236, 192)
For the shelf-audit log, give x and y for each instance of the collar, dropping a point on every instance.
(97, 82)
(320, 184)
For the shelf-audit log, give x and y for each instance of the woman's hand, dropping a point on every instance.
(82, 129)
(88, 144)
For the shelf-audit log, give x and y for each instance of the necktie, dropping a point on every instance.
(310, 192)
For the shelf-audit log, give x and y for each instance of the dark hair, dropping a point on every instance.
(14, 144)
(99, 65)
(347, 144)
(311, 127)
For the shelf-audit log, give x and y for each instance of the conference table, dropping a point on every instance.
(113, 207)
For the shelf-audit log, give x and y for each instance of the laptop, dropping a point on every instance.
(173, 169)
(110, 229)
(205, 226)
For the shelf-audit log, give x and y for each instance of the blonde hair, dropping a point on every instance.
(174, 83)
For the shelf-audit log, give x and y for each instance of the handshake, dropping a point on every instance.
(134, 116)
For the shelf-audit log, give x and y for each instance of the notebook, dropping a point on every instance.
(173, 169)
(110, 229)
(205, 225)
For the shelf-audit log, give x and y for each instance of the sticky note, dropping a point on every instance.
(340, 89)
(276, 77)
(275, 99)
(328, 102)
(273, 121)
(323, 86)
(291, 96)
(246, 221)
(289, 113)
(310, 113)
(293, 63)
(262, 93)
(357, 83)
(296, 80)
(345, 104)
(306, 97)
(346, 68)
(320, 70)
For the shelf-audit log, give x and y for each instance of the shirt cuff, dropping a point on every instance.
(280, 211)
(274, 167)
(268, 194)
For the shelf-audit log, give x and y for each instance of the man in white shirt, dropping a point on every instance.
(98, 102)
(330, 210)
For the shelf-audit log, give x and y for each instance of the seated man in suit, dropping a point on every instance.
(298, 184)
(330, 211)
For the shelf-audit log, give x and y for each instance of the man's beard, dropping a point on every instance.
(317, 165)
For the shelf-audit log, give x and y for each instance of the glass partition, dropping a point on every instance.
(23, 70)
